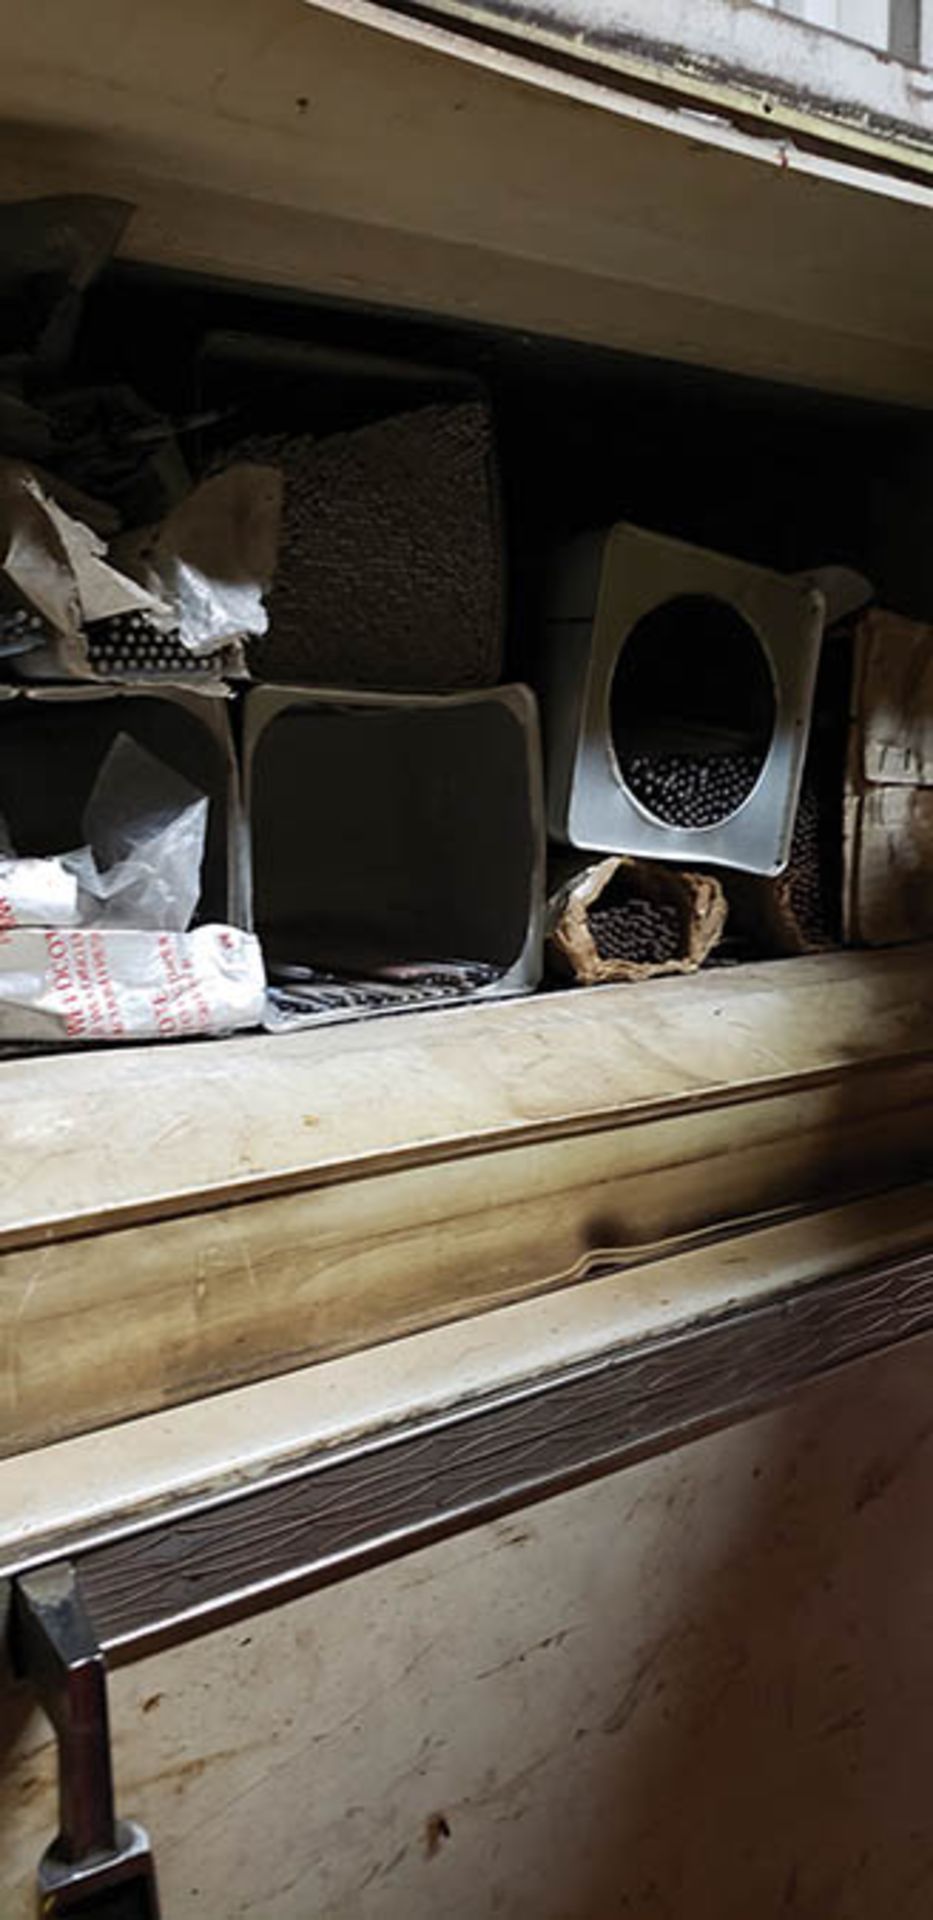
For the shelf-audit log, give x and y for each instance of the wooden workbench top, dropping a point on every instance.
(95, 1140)
(175, 1220)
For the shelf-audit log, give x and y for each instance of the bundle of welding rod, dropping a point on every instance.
(627, 919)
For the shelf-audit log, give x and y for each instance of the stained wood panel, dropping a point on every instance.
(96, 1326)
(103, 1140)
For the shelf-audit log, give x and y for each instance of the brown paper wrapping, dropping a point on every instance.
(572, 949)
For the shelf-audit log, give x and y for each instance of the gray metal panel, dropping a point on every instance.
(262, 704)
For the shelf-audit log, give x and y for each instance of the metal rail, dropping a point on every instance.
(189, 1566)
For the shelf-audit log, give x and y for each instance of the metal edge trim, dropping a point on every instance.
(177, 1572)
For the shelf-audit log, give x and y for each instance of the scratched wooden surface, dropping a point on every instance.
(547, 1148)
(893, 885)
(894, 700)
(94, 1141)
(696, 1688)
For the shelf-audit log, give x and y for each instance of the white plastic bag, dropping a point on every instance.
(146, 827)
(213, 556)
(111, 957)
(86, 984)
(37, 893)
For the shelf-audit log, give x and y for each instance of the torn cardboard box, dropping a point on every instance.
(888, 818)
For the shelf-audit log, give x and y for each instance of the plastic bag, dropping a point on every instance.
(55, 569)
(87, 984)
(37, 893)
(34, 892)
(212, 558)
(146, 827)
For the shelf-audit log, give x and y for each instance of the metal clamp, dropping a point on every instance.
(98, 1867)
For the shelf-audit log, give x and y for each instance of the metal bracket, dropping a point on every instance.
(98, 1867)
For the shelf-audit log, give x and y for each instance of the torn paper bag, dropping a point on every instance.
(58, 568)
(213, 557)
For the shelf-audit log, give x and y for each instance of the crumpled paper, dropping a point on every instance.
(213, 556)
(198, 576)
(59, 568)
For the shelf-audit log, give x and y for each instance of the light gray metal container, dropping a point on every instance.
(603, 587)
(53, 741)
(386, 828)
